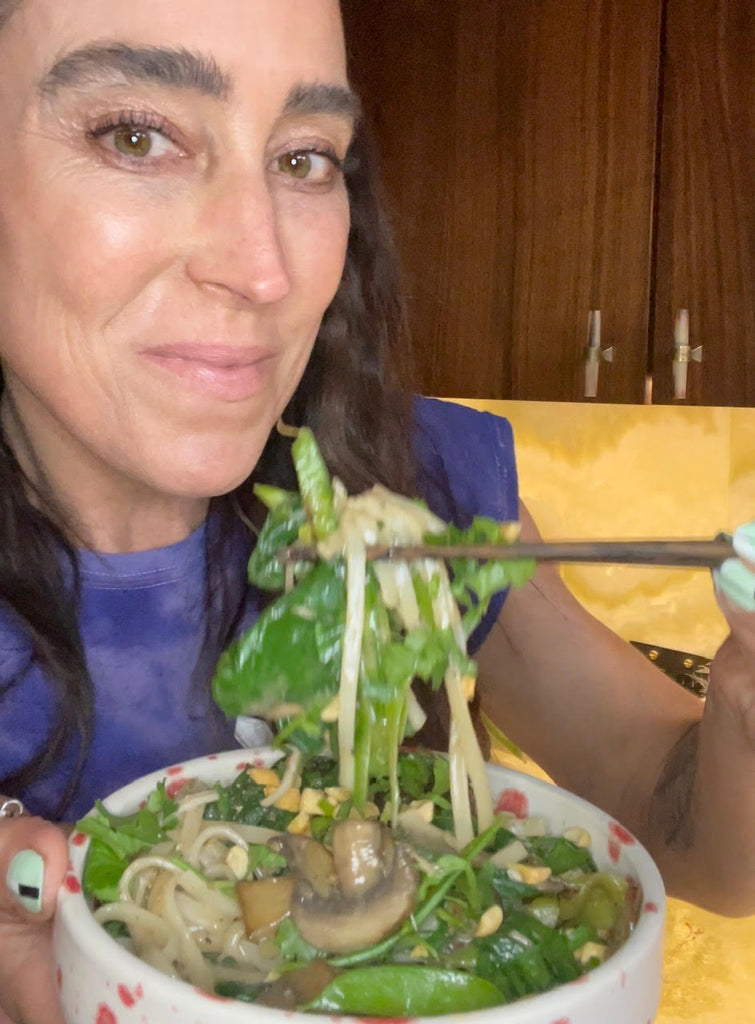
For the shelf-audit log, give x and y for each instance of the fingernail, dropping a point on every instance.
(744, 541)
(25, 876)
(736, 583)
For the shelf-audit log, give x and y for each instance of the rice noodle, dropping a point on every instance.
(469, 748)
(287, 781)
(463, 827)
(351, 657)
(179, 923)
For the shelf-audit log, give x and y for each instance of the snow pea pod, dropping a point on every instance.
(399, 990)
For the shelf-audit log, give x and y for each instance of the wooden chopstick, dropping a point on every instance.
(680, 553)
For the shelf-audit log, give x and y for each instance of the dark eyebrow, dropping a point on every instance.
(119, 63)
(318, 98)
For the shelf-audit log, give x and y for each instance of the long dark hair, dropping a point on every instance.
(350, 394)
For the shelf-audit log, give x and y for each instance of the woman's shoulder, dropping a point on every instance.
(465, 459)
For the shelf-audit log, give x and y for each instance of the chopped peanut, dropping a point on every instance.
(265, 777)
(489, 922)
(535, 825)
(509, 854)
(531, 874)
(579, 836)
(419, 952)
(424, 808)
(299, 826)
(237, 860)
(330, 712)
(590, 951)
(371, 811)
(337, 794)
(310, 800)
(289, 801)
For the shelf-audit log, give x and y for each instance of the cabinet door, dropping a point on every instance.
(706, 211)
(518, 149)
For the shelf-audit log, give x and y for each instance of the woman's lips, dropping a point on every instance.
(227, 372)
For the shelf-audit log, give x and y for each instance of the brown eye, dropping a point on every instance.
(132, 141)
(298, 165)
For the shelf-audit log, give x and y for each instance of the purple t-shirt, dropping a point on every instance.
(142, 619)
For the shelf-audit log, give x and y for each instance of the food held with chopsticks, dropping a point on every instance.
(344, 873)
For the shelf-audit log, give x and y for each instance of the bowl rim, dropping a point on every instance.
(73, 911)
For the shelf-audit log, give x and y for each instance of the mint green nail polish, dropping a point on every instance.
(737, 583)
(744, 541)
(25, 876)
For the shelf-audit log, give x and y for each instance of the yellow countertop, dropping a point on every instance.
(590, 470)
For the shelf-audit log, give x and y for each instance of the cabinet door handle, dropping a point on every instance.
(683, 353)
(594, 353)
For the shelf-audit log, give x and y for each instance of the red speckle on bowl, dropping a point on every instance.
(562, 1020)
(242, 765)
(212, 757)
(129, 998)
(175, 769)
(59, 978)
(581, 980)
(174, 788)
(620, 834)
(650, 907)
(614, 850)
(514, 802)
(72, 883)
(78, 839)
(623, 979)
(105, 1015)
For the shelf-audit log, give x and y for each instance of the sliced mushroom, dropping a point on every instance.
(264, 902)
(382, 887)
(307, 860)
(363, 853)
(297, 988)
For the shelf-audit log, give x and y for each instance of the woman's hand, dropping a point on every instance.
(735, 590)
(733, 668)
(33, 860)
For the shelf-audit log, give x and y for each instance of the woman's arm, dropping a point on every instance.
(28, 994)
(605, 723)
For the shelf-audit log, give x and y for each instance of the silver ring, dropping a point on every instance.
(11, 807)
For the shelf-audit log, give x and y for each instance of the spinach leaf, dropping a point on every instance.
(560, 854)
(240, 802)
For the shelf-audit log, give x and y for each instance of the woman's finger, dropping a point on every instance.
(33, 861)
(735, 578)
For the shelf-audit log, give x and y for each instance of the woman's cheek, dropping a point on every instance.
(315, 233)
(106, 259)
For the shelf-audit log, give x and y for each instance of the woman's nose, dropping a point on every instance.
(238, 245)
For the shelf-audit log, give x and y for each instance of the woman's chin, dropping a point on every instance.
(207, 474)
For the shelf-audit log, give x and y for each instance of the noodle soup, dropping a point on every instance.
(96, 972)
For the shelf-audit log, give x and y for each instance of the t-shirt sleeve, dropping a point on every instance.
(466, 468)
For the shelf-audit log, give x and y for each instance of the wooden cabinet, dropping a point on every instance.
(545, 158)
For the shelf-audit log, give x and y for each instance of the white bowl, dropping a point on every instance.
(101, 983)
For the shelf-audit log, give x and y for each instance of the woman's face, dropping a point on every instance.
(173, 224)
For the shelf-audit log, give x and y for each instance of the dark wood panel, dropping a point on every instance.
(518, 150)
(706, 234)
